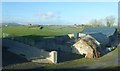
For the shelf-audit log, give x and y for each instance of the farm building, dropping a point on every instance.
(100, 38)
(73, 36)
(87, 46)
(104, 35)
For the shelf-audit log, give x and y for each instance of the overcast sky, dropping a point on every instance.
(57, 12)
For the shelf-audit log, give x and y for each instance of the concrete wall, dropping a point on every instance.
(53, 57)
(71, 36)
(81, 35)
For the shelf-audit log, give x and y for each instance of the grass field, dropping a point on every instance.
(49, 31)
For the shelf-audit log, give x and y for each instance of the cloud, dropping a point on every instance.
(48, 15)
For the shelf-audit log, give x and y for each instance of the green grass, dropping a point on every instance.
(46, 31)
(35, 34)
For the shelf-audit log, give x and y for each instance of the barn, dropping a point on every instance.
(105, 35)
(93, 42)
(87, 46)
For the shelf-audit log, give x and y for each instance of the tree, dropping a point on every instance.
(110, 20)
(96, 23)
(93, 22)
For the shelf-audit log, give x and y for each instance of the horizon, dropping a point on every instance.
(57, 13)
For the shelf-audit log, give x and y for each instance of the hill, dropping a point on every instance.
(10, 24)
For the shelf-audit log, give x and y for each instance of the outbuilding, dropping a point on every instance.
(105, 35)
(87, 46)
(93, 42)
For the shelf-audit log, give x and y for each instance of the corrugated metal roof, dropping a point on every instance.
(104, 30)
(100, 38)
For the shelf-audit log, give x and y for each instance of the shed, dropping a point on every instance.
(105, 35)
(101, 38)
(108, 31)
(87, 45)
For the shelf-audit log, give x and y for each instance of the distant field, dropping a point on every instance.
(46, 31)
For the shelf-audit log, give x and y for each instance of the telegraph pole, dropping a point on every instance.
(119, 16)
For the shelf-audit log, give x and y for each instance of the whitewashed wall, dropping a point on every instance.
(81, 34)
(53, 56)
(71, 35)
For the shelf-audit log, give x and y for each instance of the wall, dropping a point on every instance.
(50, 57)
(81, 47)
(87, 50)
(29, 52)
(53, 56)
(81, 34)
(1, 54)
(71, 36)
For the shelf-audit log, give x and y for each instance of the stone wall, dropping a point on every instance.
(88, 46)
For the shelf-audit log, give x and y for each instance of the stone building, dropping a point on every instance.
(87, 46)
(93, 42)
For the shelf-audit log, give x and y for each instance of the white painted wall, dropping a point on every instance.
(71, 35)
(50, 57)
(81, 34)
(53, 57)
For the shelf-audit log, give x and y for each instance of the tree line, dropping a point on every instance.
(109, 21)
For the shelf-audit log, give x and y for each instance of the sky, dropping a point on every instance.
(57, 13)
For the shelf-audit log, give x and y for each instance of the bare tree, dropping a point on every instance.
(96, 23)
(110, 20)
(93, 22)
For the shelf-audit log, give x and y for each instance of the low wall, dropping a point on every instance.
(50, 58)
(53, 57)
